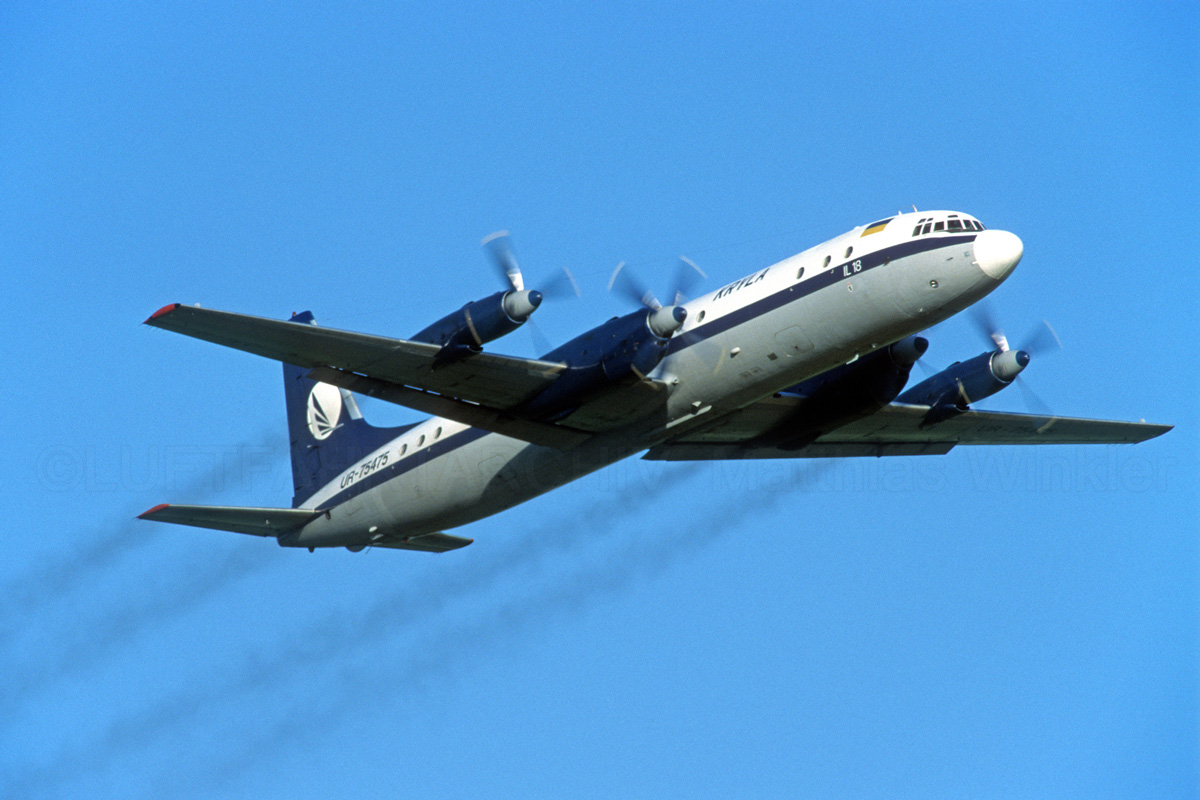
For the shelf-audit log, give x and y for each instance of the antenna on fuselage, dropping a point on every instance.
(915, 209)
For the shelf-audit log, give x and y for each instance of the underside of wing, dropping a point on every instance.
(483, 390)
(238, 519)
(474, 414)
(497, 381)
(894, 430)
(907, 423)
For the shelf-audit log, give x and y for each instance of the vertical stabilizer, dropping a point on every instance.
(325, 427)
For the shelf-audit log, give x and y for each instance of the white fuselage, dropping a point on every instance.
(744, 341)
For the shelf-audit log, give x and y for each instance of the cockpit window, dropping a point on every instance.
(952, 223)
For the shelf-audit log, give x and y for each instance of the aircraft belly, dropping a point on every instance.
(444, 490)
(478, 480)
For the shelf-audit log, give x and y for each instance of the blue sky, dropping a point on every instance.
(993, 623)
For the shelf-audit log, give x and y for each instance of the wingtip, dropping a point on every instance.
(169, 307)
(146, 514)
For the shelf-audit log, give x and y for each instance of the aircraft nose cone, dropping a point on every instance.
(997, 253)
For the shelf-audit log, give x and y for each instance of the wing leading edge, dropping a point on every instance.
(496, 381)
(484, 390)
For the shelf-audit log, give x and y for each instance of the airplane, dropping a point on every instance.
(806, 358)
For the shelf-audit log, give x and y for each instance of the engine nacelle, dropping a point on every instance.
(964, 382)
(468, 329)
(622, 349)
(846, 393)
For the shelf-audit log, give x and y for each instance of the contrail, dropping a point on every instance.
(98, 548)
(115, 626)
(339, 631)
(446, 650)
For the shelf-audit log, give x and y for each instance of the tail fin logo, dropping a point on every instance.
(324, 410)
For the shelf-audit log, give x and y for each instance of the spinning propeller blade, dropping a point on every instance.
(1042, 341)
(625, 283)
(986, 324)
(687, 275)
(561, 285)
(499, 247)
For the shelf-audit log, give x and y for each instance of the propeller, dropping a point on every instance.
(499, 247)
(687, 275)
(560, 285)
(663, 320)
(1042, 340)
(626, 284)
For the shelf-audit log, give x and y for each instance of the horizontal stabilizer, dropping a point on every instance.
(429, 543)
(254, 521)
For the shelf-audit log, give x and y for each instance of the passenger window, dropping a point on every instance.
(437, 434)
(800, 274)
(421, 441)
(928, 227)
(827, 260)
(849, 250)
(939, 226)
(954, 225)
(403, 449)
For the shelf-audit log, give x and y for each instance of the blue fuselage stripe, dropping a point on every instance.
(804, 288)
(407, 464)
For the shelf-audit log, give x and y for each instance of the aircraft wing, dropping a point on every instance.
(496, 381)
(894, 430)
